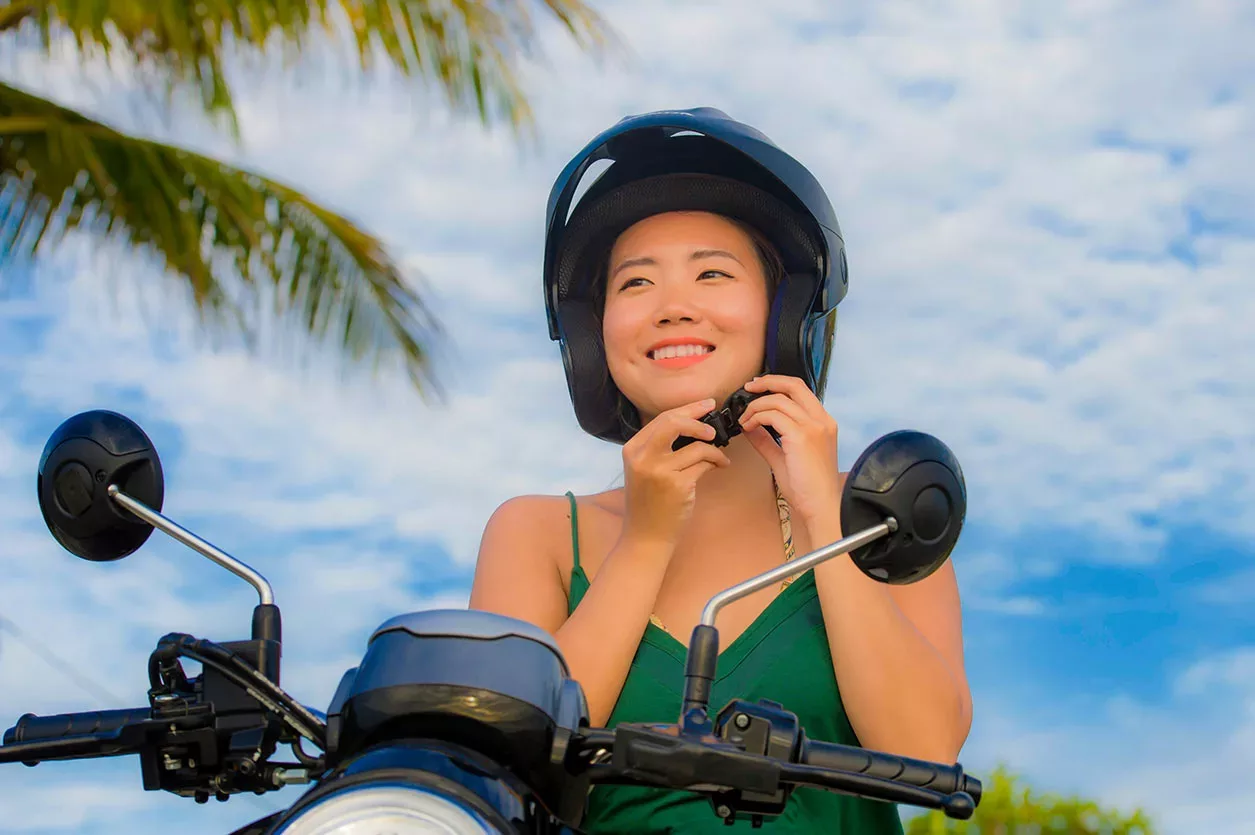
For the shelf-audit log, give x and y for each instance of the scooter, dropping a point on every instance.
(460, 721)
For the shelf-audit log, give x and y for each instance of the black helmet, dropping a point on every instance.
(688, 160)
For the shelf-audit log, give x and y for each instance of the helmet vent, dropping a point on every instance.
(591, 175)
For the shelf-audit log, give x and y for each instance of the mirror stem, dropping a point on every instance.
(703, 651)
(265, 593)
(797, 566)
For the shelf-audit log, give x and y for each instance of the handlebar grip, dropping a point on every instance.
(31, 728)
(946, 779)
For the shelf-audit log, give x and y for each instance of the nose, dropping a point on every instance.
(675, 307)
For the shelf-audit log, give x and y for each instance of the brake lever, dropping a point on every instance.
(740, 782)
(726, 421)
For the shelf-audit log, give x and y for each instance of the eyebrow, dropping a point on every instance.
(697, 255)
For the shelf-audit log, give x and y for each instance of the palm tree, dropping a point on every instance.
(243, 244)
(1008, 808)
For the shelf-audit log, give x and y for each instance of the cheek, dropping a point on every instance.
(745, 316)
(617, 334)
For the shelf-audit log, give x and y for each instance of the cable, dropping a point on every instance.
(93, 689)
(271, 696)
(96, 691)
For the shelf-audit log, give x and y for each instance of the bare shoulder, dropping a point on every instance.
(529, 515)
(525, 529)
(519, 569)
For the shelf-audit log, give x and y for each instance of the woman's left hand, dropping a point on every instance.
(805, 461)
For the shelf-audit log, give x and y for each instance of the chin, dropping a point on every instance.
(661, 399)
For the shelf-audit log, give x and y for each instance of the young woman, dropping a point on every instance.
(703, 260)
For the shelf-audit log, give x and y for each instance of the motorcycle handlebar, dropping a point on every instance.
(663, 756)
(32, 728)
(652, 755)
(946, 779)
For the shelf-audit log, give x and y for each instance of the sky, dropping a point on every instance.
(1049, 212)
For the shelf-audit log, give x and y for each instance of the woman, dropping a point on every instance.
(703, 260)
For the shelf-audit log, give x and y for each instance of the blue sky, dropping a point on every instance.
(1049, 218)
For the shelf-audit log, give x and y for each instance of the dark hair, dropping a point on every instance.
(768, 259)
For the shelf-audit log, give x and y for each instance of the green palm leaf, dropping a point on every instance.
(242, 243)
(468, 48)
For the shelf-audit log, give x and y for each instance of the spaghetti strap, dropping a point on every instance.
(575, 533)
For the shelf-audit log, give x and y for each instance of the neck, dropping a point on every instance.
(739, 488)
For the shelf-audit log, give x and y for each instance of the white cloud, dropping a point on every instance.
(1054, 337)
(1235, 589)
(1233, 669)
(1176, 758)
(69, 806)
(959, 143)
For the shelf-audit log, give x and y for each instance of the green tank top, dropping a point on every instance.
(783, 656)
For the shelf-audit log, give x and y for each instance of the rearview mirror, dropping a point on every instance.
(915, 479)
(84, 456)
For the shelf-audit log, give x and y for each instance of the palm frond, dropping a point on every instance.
(469, 49)
(243, 245)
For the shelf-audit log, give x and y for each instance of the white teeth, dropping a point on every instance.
(671, 351)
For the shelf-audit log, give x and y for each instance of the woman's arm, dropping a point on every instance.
(897, 652)
(518, 575)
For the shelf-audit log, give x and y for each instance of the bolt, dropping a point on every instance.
(723, 811)
(742, 721)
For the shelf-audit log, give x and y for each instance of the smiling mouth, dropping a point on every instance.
(669, 352)
(680, 356)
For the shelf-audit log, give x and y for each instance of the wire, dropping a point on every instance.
(95, 690)
(271, 696)
(92, 688)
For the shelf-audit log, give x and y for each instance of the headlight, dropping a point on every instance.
(386, 809)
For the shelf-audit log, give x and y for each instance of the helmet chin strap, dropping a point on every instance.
(787, 353)
(773, 328)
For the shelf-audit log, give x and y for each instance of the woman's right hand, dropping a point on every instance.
(660, 484)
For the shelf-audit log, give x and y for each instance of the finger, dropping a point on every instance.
(784, 424)
(696, 409)
(693, 453)
(780, 382)
(701, 468)
(794, 387)
(663, 423)
(692, 410)
(762, 442)
(664, 439)
(780, 403)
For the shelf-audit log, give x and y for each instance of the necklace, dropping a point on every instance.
(786, 531)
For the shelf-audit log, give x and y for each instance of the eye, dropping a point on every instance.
(631, 282)
(713, 274)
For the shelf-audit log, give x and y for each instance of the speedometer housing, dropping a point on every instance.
(483, 682)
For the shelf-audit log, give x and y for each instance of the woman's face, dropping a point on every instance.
(686, 311)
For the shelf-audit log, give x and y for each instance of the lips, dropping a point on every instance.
(678, 346)
(679, 353)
